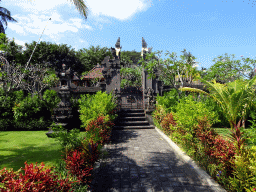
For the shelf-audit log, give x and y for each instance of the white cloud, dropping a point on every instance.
(119, 9)
(34, 6)
(36, 23)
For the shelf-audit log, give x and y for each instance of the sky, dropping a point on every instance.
(205, 28)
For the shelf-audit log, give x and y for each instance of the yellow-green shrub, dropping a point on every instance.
(244, 171)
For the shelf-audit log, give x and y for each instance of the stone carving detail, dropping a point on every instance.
(150, 97)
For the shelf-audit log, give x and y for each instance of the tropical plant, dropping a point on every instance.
(5, 16)
(234, 98)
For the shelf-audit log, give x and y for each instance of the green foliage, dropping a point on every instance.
(3, 42)
(51, 99)
(54, 54)
(188, 110)
(130, 57)
(131, 76)
(7, 103)
(244, 172)
(169, 100)
(27, 112)
(90, 57)
(93, 106)
(167, 71)
(159, 114)
(225, 70)
(212, 105)
(13, 51)
(68, 140)
(250, 134)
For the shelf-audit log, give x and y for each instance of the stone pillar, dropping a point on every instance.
(63, 113)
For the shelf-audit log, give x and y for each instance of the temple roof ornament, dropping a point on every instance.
(118, 48)
(144, 47)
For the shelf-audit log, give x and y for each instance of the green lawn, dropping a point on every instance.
(31, 146)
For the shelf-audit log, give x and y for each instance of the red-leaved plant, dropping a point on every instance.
(237, 136)
(79, 162)
(35, 179)
(219, 150)
(167, 121)
(100, 128)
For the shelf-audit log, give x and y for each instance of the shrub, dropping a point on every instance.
(80, 161)
(68, 140)
(159, 113)
(186, 118)
(94, 106)
(35, 179)
(250, 134)
(99, 130)
(244, 177)
(212, 105)
(6, 113)
(169, 100)
(166, 122)
(26, 113)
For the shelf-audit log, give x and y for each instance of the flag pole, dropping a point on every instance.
(33, 51)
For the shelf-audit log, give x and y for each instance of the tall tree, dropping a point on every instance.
(226, 70)
(5, 16)
(90, 57)
(54, 54)
(13, 51)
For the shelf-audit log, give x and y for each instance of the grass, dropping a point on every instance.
(31, 146)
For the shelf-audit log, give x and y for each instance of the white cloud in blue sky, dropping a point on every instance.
(205, 28)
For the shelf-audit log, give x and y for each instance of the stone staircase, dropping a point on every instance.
(132, 119)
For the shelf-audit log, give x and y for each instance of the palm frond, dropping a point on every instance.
(81, 7)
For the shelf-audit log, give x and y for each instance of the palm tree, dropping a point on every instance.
(5, 16)
(235, 99)
(81, 7)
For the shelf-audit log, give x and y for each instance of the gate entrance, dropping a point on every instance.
(132, 98)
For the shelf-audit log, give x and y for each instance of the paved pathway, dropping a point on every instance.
(142, 160)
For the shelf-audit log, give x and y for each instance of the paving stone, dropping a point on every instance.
(153, 171)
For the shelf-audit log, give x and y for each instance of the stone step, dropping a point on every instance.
(131, 114)
(132, 123)
(131, 118)
(134, 127)
(132, 110)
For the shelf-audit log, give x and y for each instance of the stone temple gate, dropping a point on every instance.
(69, 84)
(130, 97)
